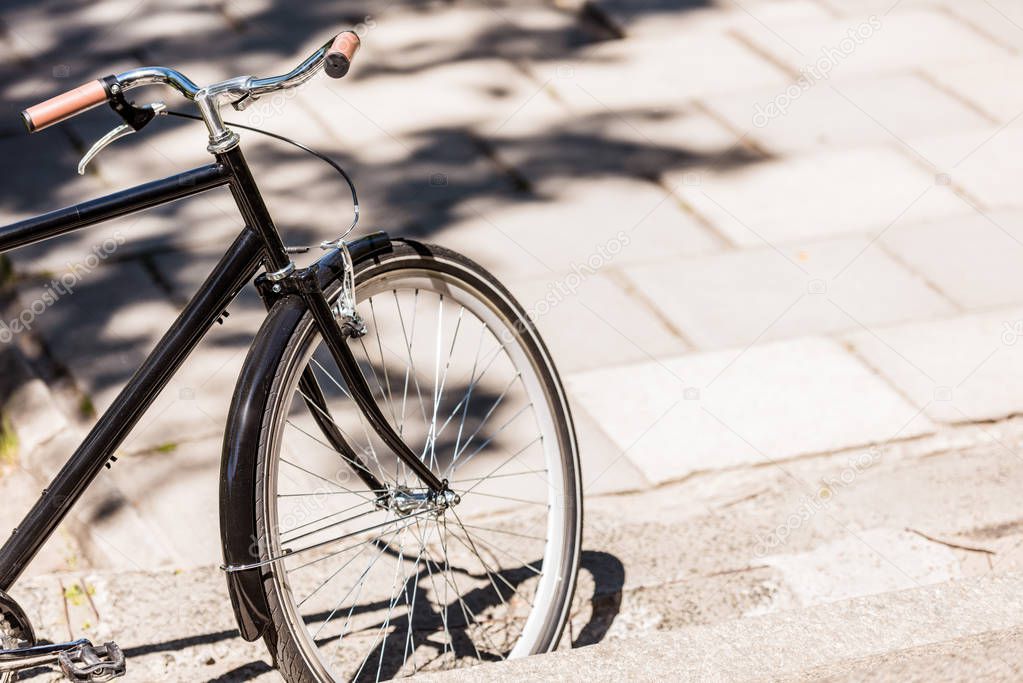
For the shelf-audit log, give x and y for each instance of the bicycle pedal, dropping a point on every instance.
(93, 663)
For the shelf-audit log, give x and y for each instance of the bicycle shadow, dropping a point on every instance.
(605, 569)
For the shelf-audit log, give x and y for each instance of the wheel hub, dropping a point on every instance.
(405, 501)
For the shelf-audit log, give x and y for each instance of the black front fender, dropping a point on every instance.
(238, 476)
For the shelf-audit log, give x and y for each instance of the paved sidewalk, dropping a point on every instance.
(754, 233)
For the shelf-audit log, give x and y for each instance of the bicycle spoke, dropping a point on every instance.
(329, 526)
(362, 418)
(443, 382)
(410, 604)
(326, 445)
(334, 484)
(390, 609)
(383, 361)
(505, 462)
(502, 531)
(320, 519)
(340, 569)
(497, 476)
(361, 581)
(490, 411)
(342, 537)
(444, 609)
(458, 593)
(351, 547)
(541, 503)
(493, 546)
(412, 363)
(486, 443)
(486, 566)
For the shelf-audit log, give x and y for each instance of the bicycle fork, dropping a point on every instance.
(305, 282)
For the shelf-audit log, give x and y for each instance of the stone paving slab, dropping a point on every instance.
(983, 163)
(955, 370)
(739, 407)
(591, 322)
(606, 469)
(910, 37)
(984, 84)
(999, 19)
(898, 560)
(818, 196)
(806, 514)
(101, 345)
(578, 225)
(485, 90)
(740, 297)
(532, 120)
(705, 63)
(548, 143)
(972, 258)
(855, 8)
(854, 112)
(655, 141)
(658, 19)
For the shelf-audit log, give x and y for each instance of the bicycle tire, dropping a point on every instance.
(295, 649)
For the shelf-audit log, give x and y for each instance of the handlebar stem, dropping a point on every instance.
(210, 99)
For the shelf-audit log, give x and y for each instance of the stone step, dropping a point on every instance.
(887, 636)
(801, 533)
(994, 655)
(171, 625)
(722, 548)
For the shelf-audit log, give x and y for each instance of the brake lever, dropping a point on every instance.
(127, 128)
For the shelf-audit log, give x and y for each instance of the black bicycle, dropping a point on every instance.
(400, 486)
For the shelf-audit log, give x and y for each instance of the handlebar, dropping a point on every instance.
(335, 57)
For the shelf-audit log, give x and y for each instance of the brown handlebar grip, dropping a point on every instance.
(64, 106)
(341, 53)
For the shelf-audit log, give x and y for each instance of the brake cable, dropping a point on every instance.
(322, 157)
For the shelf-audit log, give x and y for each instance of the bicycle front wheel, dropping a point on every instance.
(376, 584)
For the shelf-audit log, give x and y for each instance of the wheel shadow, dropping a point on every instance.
(390, 658)
(608, 573)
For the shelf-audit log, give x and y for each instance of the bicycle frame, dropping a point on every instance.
(258, 245)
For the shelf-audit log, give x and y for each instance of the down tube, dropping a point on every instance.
(237, 267)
